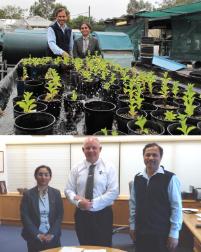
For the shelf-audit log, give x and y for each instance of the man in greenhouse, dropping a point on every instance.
(155, 205)
(93, 186)
(59, 35)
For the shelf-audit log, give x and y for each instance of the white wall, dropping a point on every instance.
(3, 175)
(182, 157)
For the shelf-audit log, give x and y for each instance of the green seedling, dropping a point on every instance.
(28, 104)
(170, 116)
(184, 128)
(141, 120)
(74, 96)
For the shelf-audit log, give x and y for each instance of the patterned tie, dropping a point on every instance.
(90, 183)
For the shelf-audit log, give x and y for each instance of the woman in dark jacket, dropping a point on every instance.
(41, 213)
(86, 44)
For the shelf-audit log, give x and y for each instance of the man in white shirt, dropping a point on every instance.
(93, 216)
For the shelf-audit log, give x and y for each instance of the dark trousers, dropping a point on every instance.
(36, 245)
(94, 228)
(151, 243)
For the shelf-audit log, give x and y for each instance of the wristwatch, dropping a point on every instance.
(78, 202)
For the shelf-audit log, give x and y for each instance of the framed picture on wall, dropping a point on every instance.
(3, 188)
(1, 161)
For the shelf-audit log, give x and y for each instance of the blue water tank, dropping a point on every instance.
(21, 43)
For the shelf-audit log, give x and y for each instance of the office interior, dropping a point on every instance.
(20, 155)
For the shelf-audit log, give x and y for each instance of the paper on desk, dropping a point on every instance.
(71, 249)
(198, 215)
(190, 209)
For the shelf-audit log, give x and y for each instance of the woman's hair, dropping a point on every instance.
(85, 23)
(42, 166)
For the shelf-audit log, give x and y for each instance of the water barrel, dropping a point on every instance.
(21, 43)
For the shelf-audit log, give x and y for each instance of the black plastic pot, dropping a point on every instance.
(150, 98)
(89, 88)
(34, 86)
(148, 108)
(122, 118)
(172, 130)
(111, 94)
(74, 109)
(150, 125)
(166, 105)
(109, 133)
(20, 87)
(98, 115)
(122, 100)
(40, 107)
(156, 116)
(38, 123)
(195, 118)
(53, 107)
(199, 125)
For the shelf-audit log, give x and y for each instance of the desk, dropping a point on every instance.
(10, 209)
(87, 247)
(190, 220)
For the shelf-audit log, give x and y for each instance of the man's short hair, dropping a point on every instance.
(56, 12)
(153, 145)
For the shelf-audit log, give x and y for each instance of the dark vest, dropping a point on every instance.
(62, 39)
(152, 204)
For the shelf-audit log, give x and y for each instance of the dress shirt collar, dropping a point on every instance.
(85, 38)
(62, 27)
(96, 163)
(42, 192)
(144, 173)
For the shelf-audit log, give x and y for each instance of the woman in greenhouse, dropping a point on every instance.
(86, 44)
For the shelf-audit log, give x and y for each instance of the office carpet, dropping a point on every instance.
(11, 240)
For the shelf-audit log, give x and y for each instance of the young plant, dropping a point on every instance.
(28, 104)
(104, 131)
(164, 86)
(137, 96)
(175, 88)
(24, 73)
(188, 98)
(184, 128)
(114, 133)
(150, 79)
(141, 120)
(132, 108)
(74, 96)
(53, 84)
(170, 116)
(87, 76)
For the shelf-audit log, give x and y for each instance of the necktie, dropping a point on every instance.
(90, 183)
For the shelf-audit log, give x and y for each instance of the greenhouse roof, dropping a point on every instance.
(172, 11)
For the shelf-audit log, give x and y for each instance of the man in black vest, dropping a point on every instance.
(155, 205)
(59, 35)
